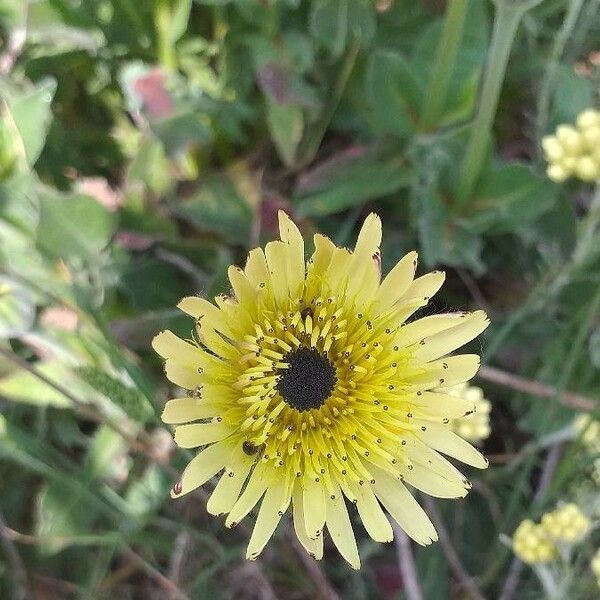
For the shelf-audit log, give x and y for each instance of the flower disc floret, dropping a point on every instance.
(311, 383)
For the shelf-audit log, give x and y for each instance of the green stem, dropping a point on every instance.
(162, 21)
(445, 59)
(506, 22)
(549, 79)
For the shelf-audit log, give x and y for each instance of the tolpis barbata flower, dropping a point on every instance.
(474, 427)
(532, 545)
(309, 385)
(575, 151)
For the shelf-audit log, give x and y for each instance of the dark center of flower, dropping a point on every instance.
(308, 381)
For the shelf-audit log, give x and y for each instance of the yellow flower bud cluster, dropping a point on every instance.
(532, 545)
(595, 566)
(575, 151)
(567, 524)
(589, 429)
(476, 426)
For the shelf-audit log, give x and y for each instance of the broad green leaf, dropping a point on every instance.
(510, 197)
(573, 93)
(394, 93)
(17, 309)
(286, 124)
(32, 115)
(74, 226)
(219, 207)
(107, 445)
(151, 166)
(352, 183)
(22, 386)
(334, 22)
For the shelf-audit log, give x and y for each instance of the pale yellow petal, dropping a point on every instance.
(396, 283)
(227, 491)
(425, 479)
(244, 292)
(438, 404)
(206, 312)
(314, 506)
(290, 235)
(171, 347)
(202, 467)
(371, 514)
(321, 257)
(182, 376)
(444, 372)
(425, 286)
(340, 529)
(425, 327)
(183, 410)
(444, 342)
(446, 441)
(256, 269)
(403, 508)
(271, 510)
(313, 546)
(257, 484)
(200, 434)
(276, 255)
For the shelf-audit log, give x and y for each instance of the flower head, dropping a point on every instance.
(575, 151)
(474, 427)
(307, 386)
(532, 545)
(566, 524)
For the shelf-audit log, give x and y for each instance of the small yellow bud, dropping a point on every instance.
(567, 524)
(476, 426)
(591, 137)
(588, 118)
(532, 545)
(552, 148)
(570, 139)
(587, 169)
(557, 173)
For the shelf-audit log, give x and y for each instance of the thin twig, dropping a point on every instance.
(168, 585)
(406, 565)
(535, 388)
(17, 568)
(516, 566)
(459, 572)
(322, 586)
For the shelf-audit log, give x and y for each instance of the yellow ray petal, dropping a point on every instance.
(294, 242)
(321, 257)
(227, 491)
(244, 292)
(425, 286)
(182, 376)
(202, 467)
(446, 441)
(313, 547)
(200, 434)
(403, 508)
(256, 269)
(314, 507)
(275, 253)
(438, 404)
(371, 514)
(205, 311)
(271, 510)
(445, 372)
(427, 326)
(257, 484)
(396, 283)
(184, 410)
(443, 342)
(340, 529)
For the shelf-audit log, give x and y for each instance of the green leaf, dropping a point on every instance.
(394, 93)
(333, 22)
(151, 166)
(219, 207)
(573, 93)
(286, 125)
(17, 308)
(74, 226)
(444, 242)
(24, 387)
(510, 197)
(342, 185)
(32, 115)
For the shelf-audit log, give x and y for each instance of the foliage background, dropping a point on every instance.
(145, 146)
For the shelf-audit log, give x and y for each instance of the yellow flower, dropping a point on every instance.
(566, 524)
(531, 544)
(589, 429)
(307, 386)
(575, 151)
(475, 426)
(595, 566)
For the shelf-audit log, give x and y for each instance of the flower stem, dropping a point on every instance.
(506, 21)
(549, 79)
(162, 21)
(445, 58)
